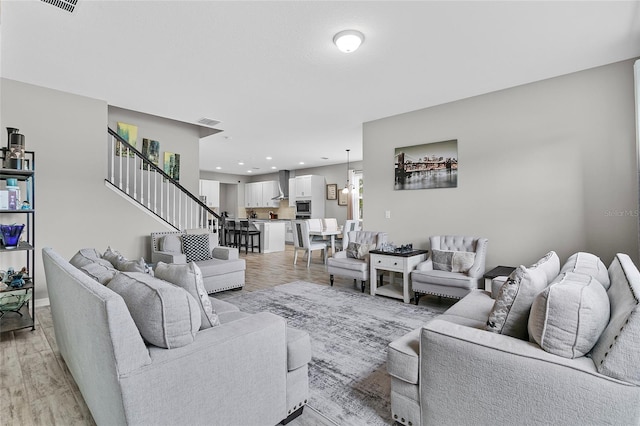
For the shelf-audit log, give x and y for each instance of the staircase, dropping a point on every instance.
(148, 187)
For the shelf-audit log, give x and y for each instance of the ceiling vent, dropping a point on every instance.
(208, 122)
(68, 5)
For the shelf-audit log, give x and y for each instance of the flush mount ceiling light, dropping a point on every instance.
(348, 40)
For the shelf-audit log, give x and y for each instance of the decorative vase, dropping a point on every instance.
(11, 235)
(14, 156)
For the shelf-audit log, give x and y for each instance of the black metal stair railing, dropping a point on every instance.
(143, 182)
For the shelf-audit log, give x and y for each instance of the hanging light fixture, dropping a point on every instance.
(345, 190)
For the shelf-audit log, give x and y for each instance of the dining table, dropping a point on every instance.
(327, 233)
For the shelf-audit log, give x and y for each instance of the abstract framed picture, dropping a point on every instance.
(343, 198)
(172, 165)
(129, 133)
(151, 150)
(427, 166)
(332, 191)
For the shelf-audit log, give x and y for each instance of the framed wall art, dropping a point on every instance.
(427, 166)
(129, 133)
(332, 191)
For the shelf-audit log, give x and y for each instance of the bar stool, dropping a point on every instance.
(248, 230)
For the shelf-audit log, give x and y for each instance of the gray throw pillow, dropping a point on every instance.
(99, 272)
(87, 256)
(568, 317)
(359, 251)
(189, 277)
(112, 256)
(171, 243)
(125, 265)
(452, 261)
(167, 316)
(196, 247)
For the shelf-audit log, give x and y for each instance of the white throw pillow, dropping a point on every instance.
(588, 264)
(452, 261)
(568, 317)
(189, 277)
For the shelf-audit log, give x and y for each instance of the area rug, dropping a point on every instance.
(350, 331)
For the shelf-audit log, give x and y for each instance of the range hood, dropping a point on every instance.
(283, 185)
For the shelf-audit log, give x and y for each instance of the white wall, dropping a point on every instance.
(74, 209)
(545, 166)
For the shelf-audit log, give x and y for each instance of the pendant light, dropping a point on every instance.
(345, 190)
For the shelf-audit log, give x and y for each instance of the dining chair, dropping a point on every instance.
(301, 241)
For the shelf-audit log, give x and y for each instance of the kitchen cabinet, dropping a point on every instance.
(310, 188)
(260, 194)
(211, 190)
(292, 192)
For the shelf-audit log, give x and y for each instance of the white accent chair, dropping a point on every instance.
(358, 269)
(301, 241)
(427, 280)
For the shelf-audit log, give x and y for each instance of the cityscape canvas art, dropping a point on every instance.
(427, 166)
(172, 165)
(129, 133)
(151, 150)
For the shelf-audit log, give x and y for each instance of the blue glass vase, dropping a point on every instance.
(11, 234)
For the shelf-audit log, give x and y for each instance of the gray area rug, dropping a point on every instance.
(349, 332)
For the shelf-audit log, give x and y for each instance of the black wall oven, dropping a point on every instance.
(303, 208)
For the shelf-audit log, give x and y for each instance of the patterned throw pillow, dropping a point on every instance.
(510, 312)
(452, 261)
(113, 256)
(125, 265)
(189, 277)
(196, 247)
(359, 251)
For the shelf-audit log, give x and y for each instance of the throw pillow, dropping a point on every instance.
(550, 264)
(359, 251)
(617, 347)
(87, 256)
(166, 315)
(125, 265)
(510, 312)
(568, 317)
(99, 272)
(170, 243)
(442, 260)
(112, 256)
(452, 261)
(196, 247)
(588, 264)
(189, 277)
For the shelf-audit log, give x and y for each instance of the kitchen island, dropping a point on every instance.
(271, 235)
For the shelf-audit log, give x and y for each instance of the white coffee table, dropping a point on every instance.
(403, 263)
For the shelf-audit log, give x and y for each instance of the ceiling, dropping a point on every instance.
(269, 72)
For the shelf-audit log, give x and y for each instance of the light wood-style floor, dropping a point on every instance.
(36, 388)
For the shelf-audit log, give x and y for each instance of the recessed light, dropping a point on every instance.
(302, 162)
(324, 158)
(218, 168)
(273, 167)
(249, 171)
(240, 163)
(269, 158)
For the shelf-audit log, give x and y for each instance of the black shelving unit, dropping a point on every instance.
(25, 317)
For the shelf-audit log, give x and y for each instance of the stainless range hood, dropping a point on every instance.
(283, 185)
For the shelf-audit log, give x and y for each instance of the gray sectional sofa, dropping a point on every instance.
(145, 351)
(557, 346)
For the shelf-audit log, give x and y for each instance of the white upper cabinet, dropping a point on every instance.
(260, 194)
(211, 190)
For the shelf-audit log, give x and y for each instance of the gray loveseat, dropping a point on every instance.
(575, 360)
(243, 370)
(223, 270)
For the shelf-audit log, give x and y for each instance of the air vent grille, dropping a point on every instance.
(208, 122)
(68, 5)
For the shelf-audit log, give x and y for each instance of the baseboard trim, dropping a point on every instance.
(42, 302)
